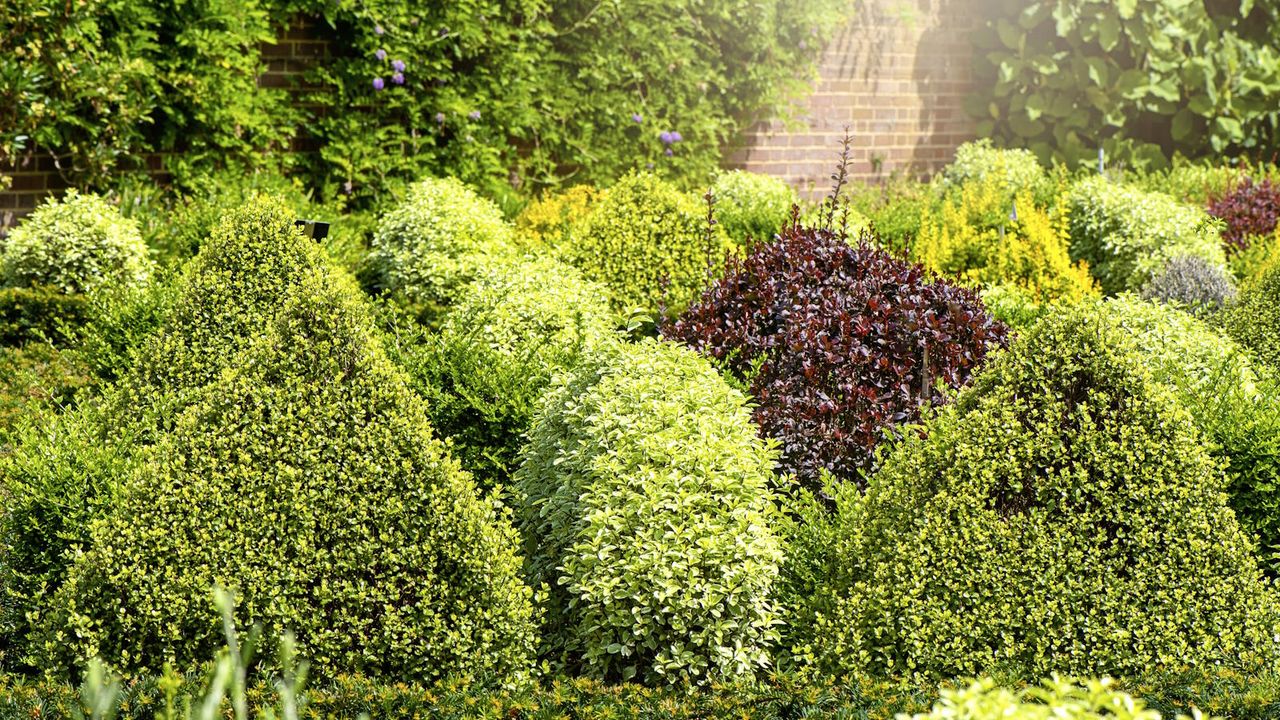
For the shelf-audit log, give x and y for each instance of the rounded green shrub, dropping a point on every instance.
(648, 244)
(437, 239)
(646, 509)
(306, 480)
(1236, 409)
(1128, 235)
(1061, 515)
(1254, 321)
(751, 206)
(76, 244)
(1017, 170)
(512, 329)
(1053, 699)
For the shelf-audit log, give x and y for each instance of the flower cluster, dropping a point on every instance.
(669, 138)
(397, 67)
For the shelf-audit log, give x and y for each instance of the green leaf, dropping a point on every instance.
(1108, 32)
(1183, 122)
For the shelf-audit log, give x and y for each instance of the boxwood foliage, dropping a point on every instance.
(648, 244)
(1254, 321)
(838, 344)
(1236, 409)
(432, 243)
(511, 331)
(1061, 514)
(62, 476)
(1014, 170)
(752, 206)
(305, 479)
(647, 512)
(1127, 235)
(549, 220)
(75, 244)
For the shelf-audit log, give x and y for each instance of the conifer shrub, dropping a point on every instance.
(964, 239)
(1014, 171)
(549, 220)
(648, 244)
(76, 244)
(435, 241)
(1254, 321)
(1236, 409)
(647, 510)
(1061, 514)
(838, 343)
(1128, 235)
(1191, 283)
(306, 480)
(752, 206)
(515, 327)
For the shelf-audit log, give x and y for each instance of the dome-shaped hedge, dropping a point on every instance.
(517, 325)
(1014, 170)
(306, 480)
(1061, 516)
(647, 243)
(75, 244)
(1254, 321)
(1193, 284)
(1236, 409)
(437, 239)
(751, 206)
(647, 510)
(1128, 235)
(549, 220)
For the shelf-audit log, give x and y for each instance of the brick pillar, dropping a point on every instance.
(897, 76)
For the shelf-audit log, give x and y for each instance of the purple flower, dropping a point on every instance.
(440, 118)
(675, 136)
(669, 152)
(377, 30)
(397, 65)
(638, 118)
(474, 115)
(381, 54)
(648, 166)
(665, 137)
(398, 78)
(378, 84)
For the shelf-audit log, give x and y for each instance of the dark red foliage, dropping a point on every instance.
(1250, 209)
(839, 343)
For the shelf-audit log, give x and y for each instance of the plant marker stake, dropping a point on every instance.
(1101, 162)
(1013, 216)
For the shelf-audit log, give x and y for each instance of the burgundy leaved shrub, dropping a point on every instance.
(1249, 209)
(838, 343)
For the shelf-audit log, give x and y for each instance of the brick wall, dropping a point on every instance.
(896, 76)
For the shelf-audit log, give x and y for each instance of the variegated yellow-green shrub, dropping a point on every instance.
(1014, 170)
(1053, 699)
(963, 238)
(648, 244)
(1062, 514)
(515, 327)
(646, 509)
(434, 242)
(752, 206)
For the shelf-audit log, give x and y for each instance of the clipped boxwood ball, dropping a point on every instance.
(516, 326)
(1254, 321)
(647, 243)
(1062, 515)
(646, 509)
(75, 244)
(437, 239)
(1015, 170)
(549, 221)
(1128, 235)
(751, 206)
(307, 481)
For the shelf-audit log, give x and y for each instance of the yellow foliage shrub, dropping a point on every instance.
(548, 220)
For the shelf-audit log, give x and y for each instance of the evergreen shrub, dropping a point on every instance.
(1061, 515)
(751, 206)
(1254, 321)
(1013, 170)
(306, 480)
(648, 244)
(838, 343)
(1192, 283)
(550, 220)
(515, 327)
(647, 511)
(1128, 235)
(76, 244)
(434, 242)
